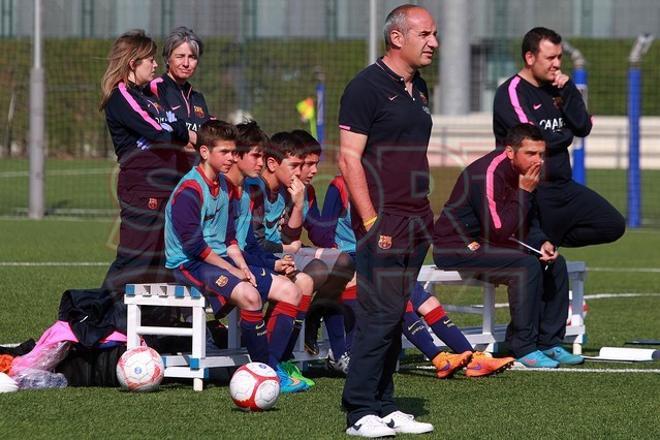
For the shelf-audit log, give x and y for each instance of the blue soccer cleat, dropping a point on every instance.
(537, 359)
(561, 355)
(289, 384)
(294, 372)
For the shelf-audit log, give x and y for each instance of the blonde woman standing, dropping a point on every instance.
(148, 139)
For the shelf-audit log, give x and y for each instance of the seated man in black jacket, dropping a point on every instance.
(483, 227)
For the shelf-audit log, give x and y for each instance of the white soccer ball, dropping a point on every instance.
(254, 387)
(7, 384)
(140, 369)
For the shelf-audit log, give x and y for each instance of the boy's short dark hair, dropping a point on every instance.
(517, 134)
(215, 130)
(250, 135)
(532, 39)
(312, 146)
(283, 144)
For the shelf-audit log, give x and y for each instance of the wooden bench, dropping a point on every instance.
(197, 364)
(489, 333)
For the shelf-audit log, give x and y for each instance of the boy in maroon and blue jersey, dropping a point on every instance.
(202, 250)
(336, 216)
(341, 266)
(250, 147)
(277, 215)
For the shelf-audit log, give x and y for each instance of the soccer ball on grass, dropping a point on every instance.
(140, 369)
(254, 387)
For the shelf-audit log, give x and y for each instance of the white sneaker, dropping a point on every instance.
(341, 365)
(371, 426)
(405, 423)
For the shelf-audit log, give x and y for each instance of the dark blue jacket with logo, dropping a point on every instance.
(187, 104)
(148, 142)
(559, 113)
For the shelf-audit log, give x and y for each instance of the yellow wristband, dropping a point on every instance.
(370, 222)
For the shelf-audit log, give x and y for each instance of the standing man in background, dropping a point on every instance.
(571, 214)
(385, 126)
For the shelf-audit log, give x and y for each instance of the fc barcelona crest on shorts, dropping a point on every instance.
(221, 281)
(152, 203)
(384, 241)
(199, 111)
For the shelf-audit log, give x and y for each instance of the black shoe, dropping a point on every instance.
(312, 347)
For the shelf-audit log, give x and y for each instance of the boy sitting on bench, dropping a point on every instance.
(202, 251)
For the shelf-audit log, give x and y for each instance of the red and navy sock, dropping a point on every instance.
(446, 330)
(303, 307)
(349, 300)
(253, 333)
(280, 326)
(417, 333)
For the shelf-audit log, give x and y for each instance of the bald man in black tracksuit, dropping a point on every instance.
(571, 214)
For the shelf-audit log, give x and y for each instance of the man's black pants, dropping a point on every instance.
(538, 297)
(388, 260)
(573, 215)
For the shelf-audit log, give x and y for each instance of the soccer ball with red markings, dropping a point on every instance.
(140, 369)
(254, 387)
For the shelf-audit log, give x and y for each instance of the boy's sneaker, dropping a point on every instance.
(561, 355)
(536, 359)
(288, 384)
(340, 365)
(447, 364)
(294, 372)
(483, 364)
(312, 347)
(370, 426)
(404, 423)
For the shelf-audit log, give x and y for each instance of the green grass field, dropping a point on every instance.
(515, 404)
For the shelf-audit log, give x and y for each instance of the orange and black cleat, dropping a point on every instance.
(447, 364)
(483, 364)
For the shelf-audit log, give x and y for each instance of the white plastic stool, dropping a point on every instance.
(170, 295)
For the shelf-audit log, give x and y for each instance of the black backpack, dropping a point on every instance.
(91, 367)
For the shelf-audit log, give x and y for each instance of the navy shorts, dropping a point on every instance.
(307, 254)
(217, 284)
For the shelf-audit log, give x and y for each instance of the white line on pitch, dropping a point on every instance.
(588, 370)
(618, 295)
(589, 297)
(74, 172)
(624, 269)
(52, 263)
